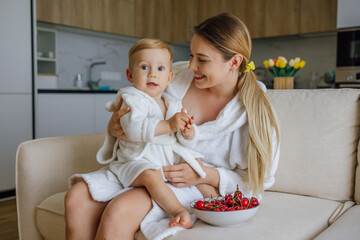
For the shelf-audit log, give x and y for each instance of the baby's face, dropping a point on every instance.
(150, 72)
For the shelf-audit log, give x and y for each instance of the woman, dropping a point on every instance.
(238, 127)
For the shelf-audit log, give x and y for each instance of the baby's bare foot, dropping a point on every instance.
(182, 219)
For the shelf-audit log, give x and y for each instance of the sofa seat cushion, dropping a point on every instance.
(50, 217)
(281, 216)
(346, 227)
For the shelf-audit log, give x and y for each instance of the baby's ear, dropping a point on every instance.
(129, 75)
(171, 76)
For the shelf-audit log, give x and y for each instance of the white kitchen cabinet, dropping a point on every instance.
(15, 127)
(64, 114)
(15, 43)
(15, 85)
(348, 14)
(102, 117)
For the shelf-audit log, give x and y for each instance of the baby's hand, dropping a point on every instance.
(189, 131)
(179, 121)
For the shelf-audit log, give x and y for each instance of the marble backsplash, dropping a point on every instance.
(78, 48)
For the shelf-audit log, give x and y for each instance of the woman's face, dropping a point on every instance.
(208, 64)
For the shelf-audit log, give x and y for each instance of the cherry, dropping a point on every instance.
(245, 202)
(200, 205)
(228, 196)
(230, 202)
(238, 193)
(254, 202)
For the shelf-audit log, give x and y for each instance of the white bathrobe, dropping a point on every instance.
(223, 144)
(141, 150)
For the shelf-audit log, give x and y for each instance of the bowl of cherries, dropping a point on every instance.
(233, 209)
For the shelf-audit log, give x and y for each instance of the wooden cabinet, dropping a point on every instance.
(173, 20)
(281, 17)
(112, 16)
(317, 15)
(117, 17)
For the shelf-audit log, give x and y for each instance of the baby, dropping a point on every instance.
(150, 141)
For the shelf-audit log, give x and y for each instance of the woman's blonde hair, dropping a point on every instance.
(230, 36)
(148, 43)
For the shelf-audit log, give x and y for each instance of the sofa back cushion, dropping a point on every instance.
(319, 140)
(357, 177)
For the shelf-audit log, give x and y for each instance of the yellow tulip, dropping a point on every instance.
(297, 65)
(282, 64)
(302, 64)
(266, 64)
(277, 64)
(283, 59)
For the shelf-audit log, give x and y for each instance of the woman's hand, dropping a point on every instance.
(182, 175)
(114, 126)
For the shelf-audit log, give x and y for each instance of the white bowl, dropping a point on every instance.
(226, 218)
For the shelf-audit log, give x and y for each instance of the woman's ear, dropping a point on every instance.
(129, 75)
(236, 61)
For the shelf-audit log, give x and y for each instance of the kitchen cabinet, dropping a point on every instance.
(112, 16)
(317, 15)
(46, 50)
(153, 19)
(117, 17)
(102, 117)
(15, 42)
(173, 20)
(15, 128)
(15, 85)
(281, 18)
(65, 114)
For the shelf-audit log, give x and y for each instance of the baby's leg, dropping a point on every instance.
(162, 194)
(207, 190)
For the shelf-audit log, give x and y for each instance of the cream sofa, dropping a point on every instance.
(316, 193)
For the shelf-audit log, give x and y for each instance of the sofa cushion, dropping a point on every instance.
(319, 137)
(281, 216)
(346, 227)
(357, 177)
(50, 217)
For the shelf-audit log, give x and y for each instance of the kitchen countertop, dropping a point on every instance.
(74, 90)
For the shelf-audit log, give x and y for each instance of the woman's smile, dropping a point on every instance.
(198, 76)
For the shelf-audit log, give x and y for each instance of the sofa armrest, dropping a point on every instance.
(43, 167)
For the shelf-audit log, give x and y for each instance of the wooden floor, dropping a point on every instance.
(8, 220)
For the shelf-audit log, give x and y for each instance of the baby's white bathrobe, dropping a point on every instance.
(141, 149)
(223, 144)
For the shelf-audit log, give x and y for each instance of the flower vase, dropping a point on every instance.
(283, 82)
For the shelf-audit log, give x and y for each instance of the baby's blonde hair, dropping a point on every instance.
(148, 43)
(230, 36)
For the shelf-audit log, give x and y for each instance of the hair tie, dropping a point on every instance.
(249, 66)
